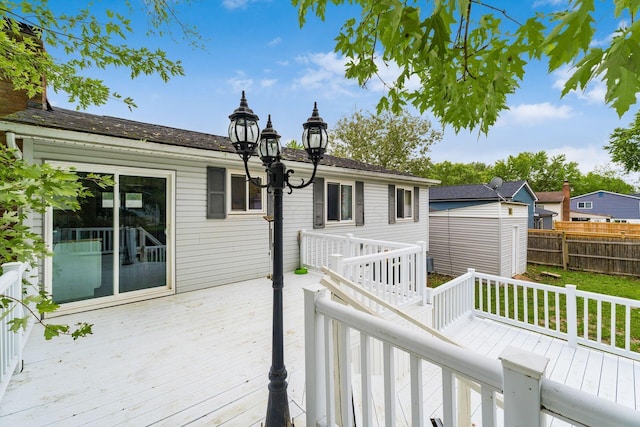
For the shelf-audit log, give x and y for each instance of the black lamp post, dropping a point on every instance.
(245, 137)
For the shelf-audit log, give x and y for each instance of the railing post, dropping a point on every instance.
(421, 273)
(572, 322)
(522, 373)
(336, 264)
(471, 295)
(347, 245)
(302, 241)
(18, 310)
(314, 356)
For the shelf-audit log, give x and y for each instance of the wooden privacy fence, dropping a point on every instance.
(597, 227)
(596, 252)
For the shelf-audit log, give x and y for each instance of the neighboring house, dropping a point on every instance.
(477, 194)
(185, 216)
(605, 206)
(489, 237)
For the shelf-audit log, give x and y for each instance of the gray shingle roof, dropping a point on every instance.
(474, 191)
(550, 196)
(70, 120)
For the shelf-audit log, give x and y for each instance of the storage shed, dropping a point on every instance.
(491, 238)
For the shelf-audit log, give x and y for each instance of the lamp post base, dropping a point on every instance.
(278, 409)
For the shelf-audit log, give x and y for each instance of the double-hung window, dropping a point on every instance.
(339, 201)
(404, 203)
(245, 197)
(231, 192)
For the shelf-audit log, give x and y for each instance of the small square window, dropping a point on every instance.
(245, 197)
(404, 203)
(339, 202)
(585, 205)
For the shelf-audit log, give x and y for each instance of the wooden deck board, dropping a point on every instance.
(202, 358)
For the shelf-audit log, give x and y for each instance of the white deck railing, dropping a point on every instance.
(143, 243)
(336, 397)
(12, 343)
(578, 317)
(395, 272)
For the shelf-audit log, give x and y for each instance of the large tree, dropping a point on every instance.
(468, 55)
(602, 178)
(393, 141)
(89, 41)
(450, 173)
(624, 146)
(541, 172)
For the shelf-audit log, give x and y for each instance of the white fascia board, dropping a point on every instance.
(66, 137)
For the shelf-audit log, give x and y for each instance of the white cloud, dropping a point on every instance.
(594, 94)
(235, 4)
(323, 70)
(240, 82)
(533, 114)
(275, 42)
(268, 82)
(328, 69)
(548, 2)
(588, 158)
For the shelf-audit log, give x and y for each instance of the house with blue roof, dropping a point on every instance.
(606, 206)
(457, 196)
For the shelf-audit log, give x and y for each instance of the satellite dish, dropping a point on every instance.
(495, 183)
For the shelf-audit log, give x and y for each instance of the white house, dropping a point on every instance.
(187, 218)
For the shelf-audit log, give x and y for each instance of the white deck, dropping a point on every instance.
(202, 358)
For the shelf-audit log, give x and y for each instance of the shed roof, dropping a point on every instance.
(476, 191)
(63, 119)
(540, 212)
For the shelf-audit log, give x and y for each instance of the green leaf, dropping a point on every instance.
(18, 323)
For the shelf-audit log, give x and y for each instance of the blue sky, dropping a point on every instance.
(257, 46)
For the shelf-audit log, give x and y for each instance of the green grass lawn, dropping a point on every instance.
(621, 286)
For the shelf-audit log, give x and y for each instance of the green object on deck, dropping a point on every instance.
(301, 270)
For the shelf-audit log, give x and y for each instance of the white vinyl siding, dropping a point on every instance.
(216, 252)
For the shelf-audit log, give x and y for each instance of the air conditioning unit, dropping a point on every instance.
(429, 264)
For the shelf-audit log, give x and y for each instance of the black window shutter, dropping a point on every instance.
(216, 199)
(416, 204)
(359, 203)
(318, 202)
(392, 204)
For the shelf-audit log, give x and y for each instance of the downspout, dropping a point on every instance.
(500, 238)
(11, 143)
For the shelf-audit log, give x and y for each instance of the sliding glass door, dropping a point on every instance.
(117, 243)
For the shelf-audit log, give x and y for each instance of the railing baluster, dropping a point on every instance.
(627, 328)
(365, 376)
(417, 403)
(599, 321)
(612, 332)
(389, 385)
